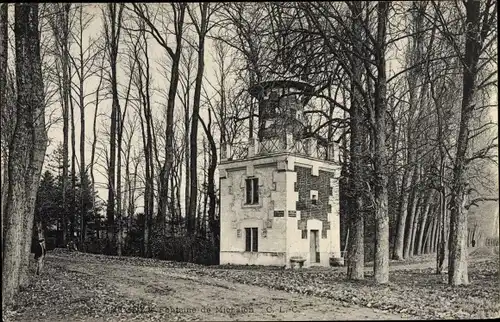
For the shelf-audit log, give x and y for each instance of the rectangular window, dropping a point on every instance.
(252, 191)
(251, 240)
(314, 199)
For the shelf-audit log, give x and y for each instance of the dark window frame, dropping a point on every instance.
(252, 191)
(251, 239)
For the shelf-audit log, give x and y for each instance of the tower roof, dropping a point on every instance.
(280, 83)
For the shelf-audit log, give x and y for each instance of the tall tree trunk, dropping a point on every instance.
(426, 246)
(187, 153)
(66, 93)
(435, 233)
(443, 231)
(166, 170)
(392, 189)
(73, 165)
(458, 214)
(149, 148)
(416, 220)
(355, 253)
(212, 202)
(202, 29)
(92, 155)
(83, 164)
(3, 105)
(403, 210)
(148, 180)
(381, 263)
(26, 151)
(425, 213)
(119, 214)
(411, 207)
(112, 32)
(432, 231)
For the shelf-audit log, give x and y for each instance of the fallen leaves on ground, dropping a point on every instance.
(75, 296)
(414, 293)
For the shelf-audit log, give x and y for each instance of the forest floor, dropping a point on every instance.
(85, 287)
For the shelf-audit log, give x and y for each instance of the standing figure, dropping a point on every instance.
(38, 247)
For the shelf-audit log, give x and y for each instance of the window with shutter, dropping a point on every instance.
(255, 240)
(252, 191)
(248, 239)
(251, 240)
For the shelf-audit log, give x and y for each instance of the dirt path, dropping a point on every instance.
(210, 299)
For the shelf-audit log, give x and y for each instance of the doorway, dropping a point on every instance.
(314, 246)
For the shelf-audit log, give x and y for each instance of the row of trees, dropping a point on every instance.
(386, 77)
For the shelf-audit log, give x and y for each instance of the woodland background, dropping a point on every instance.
(114, 117)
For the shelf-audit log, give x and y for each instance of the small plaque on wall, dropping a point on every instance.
(238, 233)
(264, 232)
(292, 213)
(279, 213)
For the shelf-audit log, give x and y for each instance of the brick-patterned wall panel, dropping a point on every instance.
(307, 182)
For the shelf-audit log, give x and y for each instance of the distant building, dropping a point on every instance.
(279, 193)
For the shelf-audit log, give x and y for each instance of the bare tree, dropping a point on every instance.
(26, 152)
(150, 20)
(60, 24)
(479, 25)
(84, 67)
(202, 26)
(112, 18)
(4, 109)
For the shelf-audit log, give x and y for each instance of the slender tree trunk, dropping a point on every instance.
(212, 202)
(26, 151)
(432, 244)
(169, 131)
(92, 155)
(355, 254)
(403, 212)
(148, 180)
(392, 189)
(381, 263)
(83, 164)
(66, 92)
(3, 105)
(425, 249)
(150, 148)
(73, 166)
(112, 31)
(411, 207)
(414, 215)
(425, 214)
(202, 30)
(458, 214)
(435, 232)
(187, 153)
(443, 232)
(416, 220)
(119, 182)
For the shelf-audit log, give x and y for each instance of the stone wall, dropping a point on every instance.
(320, 184)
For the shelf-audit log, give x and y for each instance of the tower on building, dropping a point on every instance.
(280, 196)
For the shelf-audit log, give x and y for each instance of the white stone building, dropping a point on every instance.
(279, 195)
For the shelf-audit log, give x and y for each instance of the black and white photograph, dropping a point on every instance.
(249, 161)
